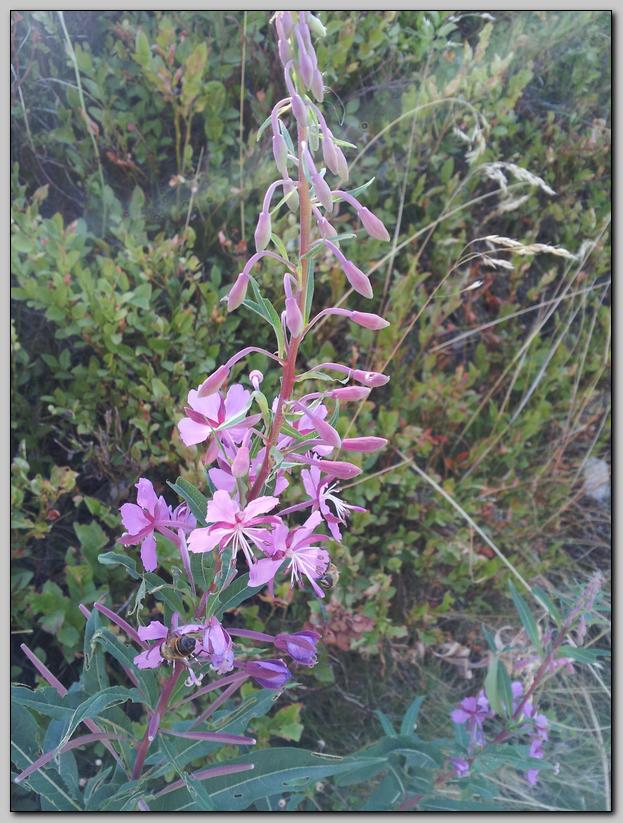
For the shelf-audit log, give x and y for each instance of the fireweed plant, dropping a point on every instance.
(213, 551)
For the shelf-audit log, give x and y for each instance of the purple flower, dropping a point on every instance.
(473, 711)
(141, 519)
(206, 414)
(321, 494)
(270, 674)
(152, 657)
(301, 646)
(297, 546)
(460, 766)
(217, 644)
(231, 524)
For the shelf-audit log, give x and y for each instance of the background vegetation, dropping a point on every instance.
(137, 168)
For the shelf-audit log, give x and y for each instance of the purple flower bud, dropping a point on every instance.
(240, 463)
(358, 280)
(324, 429)
(337, 468)
(299, 110)
(280, 153)
(236, 295)
(373, 379)
(322, 191)
(460, 766)
(285, 52)
(294, 318)
(342, 165)
(317, 86)
(291, 194)
(214, 382)
(287, 22)
(349, 393)
(256, 378)
(369, 321)
(263, 231)
(306, 67)
(270, 674)
(326, 229)
(364, 444)
(301, 646)
(329, 154)
(372, 224)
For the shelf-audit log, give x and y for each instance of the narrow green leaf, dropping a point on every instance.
(116, 559)
(526, 617)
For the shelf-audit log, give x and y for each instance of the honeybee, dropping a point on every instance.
(330, 578)
(179, 647)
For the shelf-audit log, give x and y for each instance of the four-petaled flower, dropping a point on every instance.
(321, 494)
(206, 414)
(142, 519)
(297, 547)
(473, 711)
(231, 524)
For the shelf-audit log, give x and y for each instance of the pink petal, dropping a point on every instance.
(222, 480)
(133, 518)
(193, 433)
(260, 505)
(238, 399)
(207, 406)
(204, 540)
(222, 508)
(150, 659)
(263, 571)
(149, 558)
(154, 631)
(146, 496)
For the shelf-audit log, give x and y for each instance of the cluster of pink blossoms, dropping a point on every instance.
(253, 448)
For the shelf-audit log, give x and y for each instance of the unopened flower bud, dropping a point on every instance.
(372, 224)
(328, 153)
(256, 378)
(214, 382)
(240, 463)
(301, 646)
(358, 280)
(324, 429)
(373, 379)
(263, 231)
(285, 52)
(337, 468)
(322, 191)
(291, 194)
(315, 25)
(364, 444)
(270, 674)
(349, 393)
(280, 153)
(237, 292)
(299, 110)
(294, 318)
(326, 229)
(342, 165)
(368, 320)
(306, 67)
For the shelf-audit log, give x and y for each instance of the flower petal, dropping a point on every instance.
(193, 433)
(146, 496)
(154, 631)
(260, 505)
(150, 659)
(206, 539)
(133, 518)
(222, 509)
(149, 558)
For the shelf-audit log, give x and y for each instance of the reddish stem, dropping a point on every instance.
(289, 369)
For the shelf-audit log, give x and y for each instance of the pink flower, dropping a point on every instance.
(152, 657)
(231, 524)
(218, 645)
(206, 414)
(270, 674)
(321, 494)
(296, 546)
(301, 646)
(142, 519)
